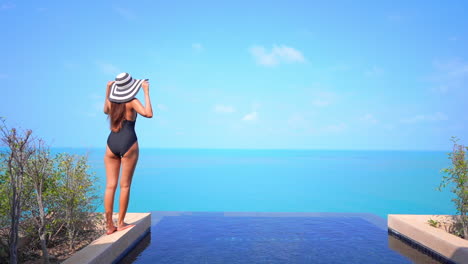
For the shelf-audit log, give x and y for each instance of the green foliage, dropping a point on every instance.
(75, 192)
(4, 193)
(456, 176)
(17, 153)
(58, 194)
(4, 211)
(433, 223)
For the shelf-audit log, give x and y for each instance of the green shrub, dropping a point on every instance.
(456, 176)
(51, 197)
(75, 192)
(433, 223)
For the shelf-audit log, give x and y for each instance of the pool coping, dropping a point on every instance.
(415, 230)
(111, 248)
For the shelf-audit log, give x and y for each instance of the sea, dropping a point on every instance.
(243, 180)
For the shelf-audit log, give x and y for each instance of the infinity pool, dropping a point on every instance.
(229, 237)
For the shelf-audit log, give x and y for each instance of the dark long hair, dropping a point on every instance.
(116, 115)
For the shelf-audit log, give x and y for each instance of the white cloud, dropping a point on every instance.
(320, 103)
(369, 118)
(197, 47)
(336, 128)
(108, 68)
(6, 6)
(277, 55)
(219, 108)
(323, 98)
(162, 107)
(125, 13)
(374, 72)
(425, 118)
(288, 54)
(255, 106)
(251, 116)
(298, 122)
(262, 57)
(449, 75)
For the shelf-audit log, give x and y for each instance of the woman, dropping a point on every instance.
(122, 107)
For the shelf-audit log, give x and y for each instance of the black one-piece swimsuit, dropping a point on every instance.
(120, 142)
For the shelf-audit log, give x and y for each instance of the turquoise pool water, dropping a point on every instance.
(229, 237)
(378, 182)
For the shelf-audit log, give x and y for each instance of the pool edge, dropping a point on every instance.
(414, 230)
(112, 248)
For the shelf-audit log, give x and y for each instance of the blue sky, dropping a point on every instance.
(242, 74)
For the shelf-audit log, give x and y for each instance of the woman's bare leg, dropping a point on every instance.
(112, 164)
(129, 161)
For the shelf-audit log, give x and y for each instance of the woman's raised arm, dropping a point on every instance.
(147, 110)
(106, 100)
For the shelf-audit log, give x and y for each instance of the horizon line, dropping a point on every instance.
(274, 149)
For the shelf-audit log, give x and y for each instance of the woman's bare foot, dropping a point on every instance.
(111, 230)
(124, 226)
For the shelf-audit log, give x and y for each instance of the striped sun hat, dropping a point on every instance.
(124, 88)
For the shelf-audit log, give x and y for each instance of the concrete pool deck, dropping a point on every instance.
(110, 248)
(416, 229)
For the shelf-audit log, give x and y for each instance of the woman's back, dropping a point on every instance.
(130, 113)
(122, 139)
(122, 146)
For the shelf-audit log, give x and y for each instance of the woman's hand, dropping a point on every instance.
(145, 86)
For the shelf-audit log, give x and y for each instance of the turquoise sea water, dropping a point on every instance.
(209, 180)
